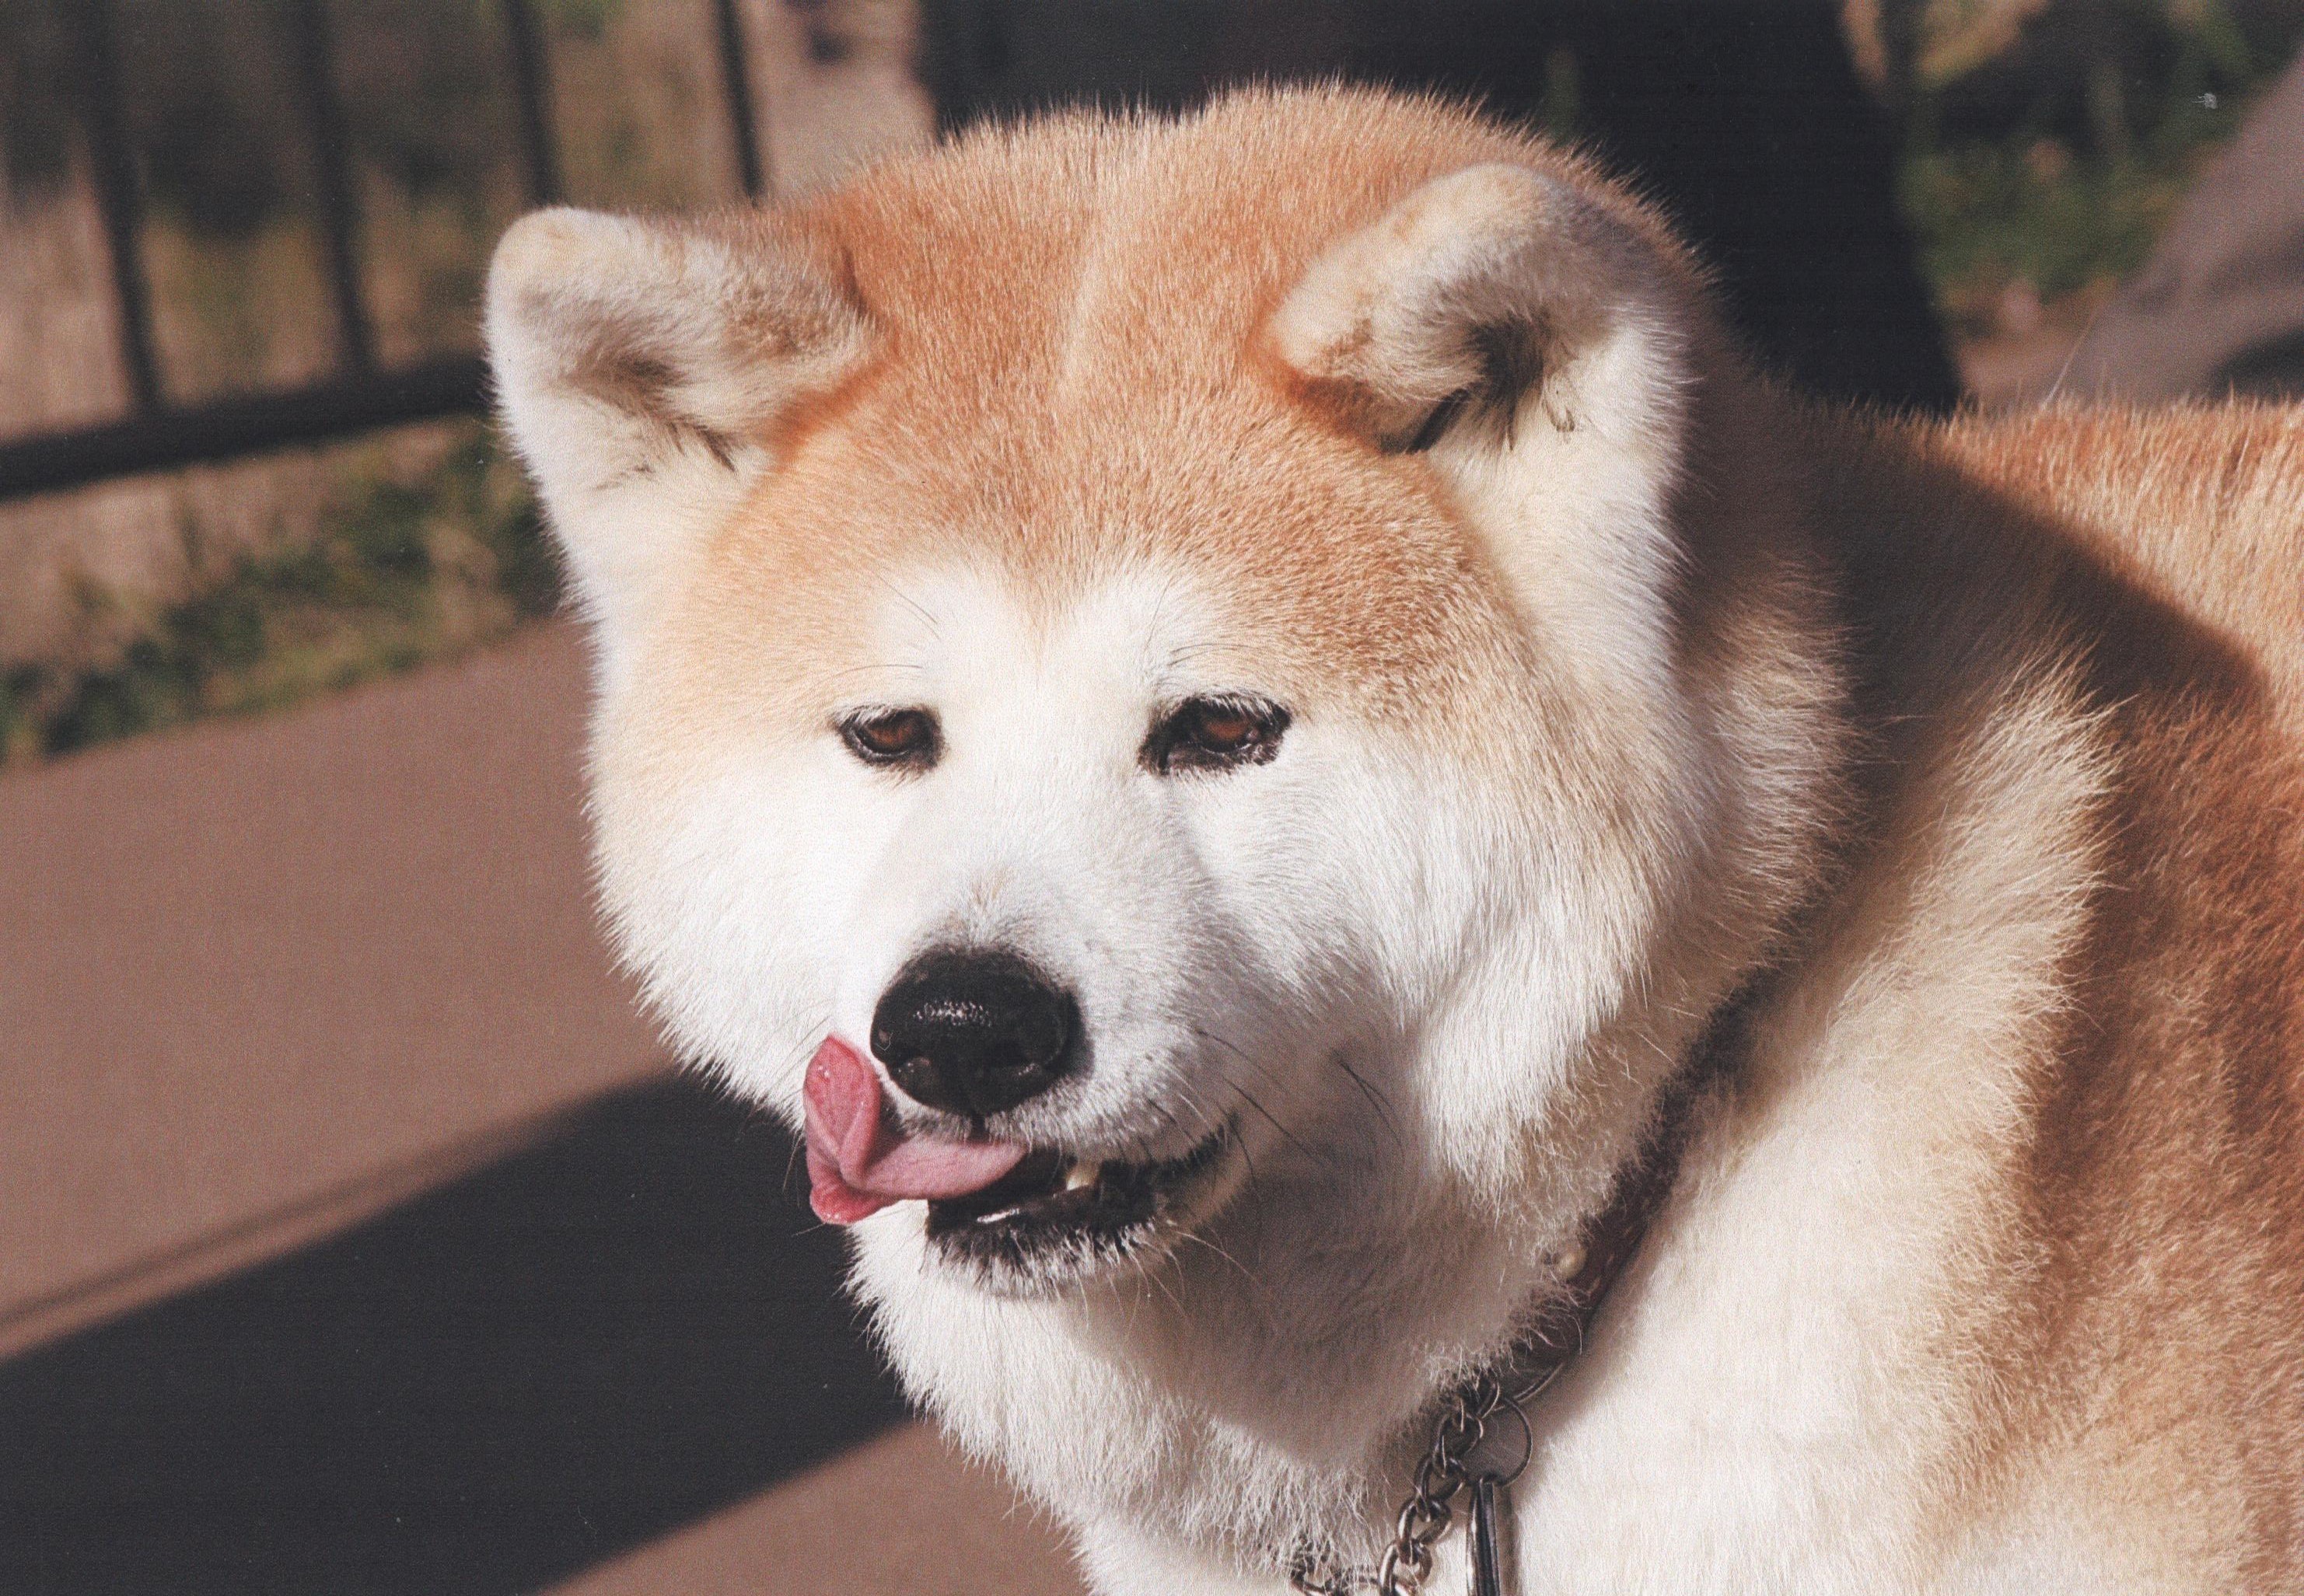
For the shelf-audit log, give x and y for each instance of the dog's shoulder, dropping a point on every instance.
(2202, 505)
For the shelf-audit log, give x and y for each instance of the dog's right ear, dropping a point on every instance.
(643, 369)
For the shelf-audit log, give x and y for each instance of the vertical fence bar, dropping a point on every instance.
(118, 199)
(324, 117)
(532, 88)
(736, 79)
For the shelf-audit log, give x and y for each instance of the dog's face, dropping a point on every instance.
(1152, 734)
(1136, 856)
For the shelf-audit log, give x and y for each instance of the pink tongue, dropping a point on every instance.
(857, 1165)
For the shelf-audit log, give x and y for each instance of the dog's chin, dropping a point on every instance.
(1055, 1222)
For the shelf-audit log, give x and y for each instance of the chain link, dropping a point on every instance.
(1427, 1514)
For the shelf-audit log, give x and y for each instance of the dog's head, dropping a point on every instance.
(1144, 700)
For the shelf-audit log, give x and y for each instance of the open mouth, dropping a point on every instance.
(1052, 1207)
(1017, 1213)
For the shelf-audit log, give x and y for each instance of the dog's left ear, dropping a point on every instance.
(645, 370)
(1484, 294)
(1538, 345)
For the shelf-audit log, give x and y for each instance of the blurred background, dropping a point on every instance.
(354, 1235)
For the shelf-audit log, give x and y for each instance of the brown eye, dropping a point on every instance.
(1223, 731)
(906, 737)
(1216, 734)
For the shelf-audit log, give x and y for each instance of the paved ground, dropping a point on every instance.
(258, 978)
(900, 1515)
(324, 1262)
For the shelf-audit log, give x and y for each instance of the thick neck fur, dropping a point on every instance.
(1797, 1361)
(1847, 1356)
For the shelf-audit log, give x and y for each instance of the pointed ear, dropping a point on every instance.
(1483, 291)
(1539, 342)
(643, 369)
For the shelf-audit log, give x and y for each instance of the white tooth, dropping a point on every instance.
(1082, 1174)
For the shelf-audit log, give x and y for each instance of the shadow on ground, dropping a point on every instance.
(559, 1357)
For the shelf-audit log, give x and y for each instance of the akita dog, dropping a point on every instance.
(1321, 805)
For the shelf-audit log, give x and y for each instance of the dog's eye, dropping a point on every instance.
(1215, 734)
(905, 737)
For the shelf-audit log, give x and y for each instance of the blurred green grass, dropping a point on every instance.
(1990, 218)
(2048, 161)
(404, 571)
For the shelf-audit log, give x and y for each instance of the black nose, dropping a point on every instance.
(974, 1033)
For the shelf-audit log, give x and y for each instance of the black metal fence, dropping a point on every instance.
(360, 393)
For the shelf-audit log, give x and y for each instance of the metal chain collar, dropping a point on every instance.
(1425, 1516)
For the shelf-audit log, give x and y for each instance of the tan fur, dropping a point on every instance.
(2157, 1356)
(2006, 718)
